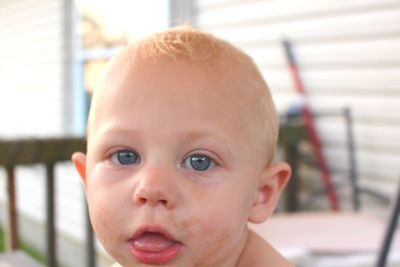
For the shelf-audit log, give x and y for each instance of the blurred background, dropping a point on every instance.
(347, 55)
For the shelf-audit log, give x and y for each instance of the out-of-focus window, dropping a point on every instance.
(106, 26)
(111, 23)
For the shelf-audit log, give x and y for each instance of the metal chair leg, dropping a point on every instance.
(390, 231)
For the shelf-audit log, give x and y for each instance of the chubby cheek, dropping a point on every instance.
(100, 215)
(105, 214)
(214, 238)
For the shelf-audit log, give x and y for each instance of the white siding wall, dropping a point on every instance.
(349, 55)
(31, 67)
(35, 96)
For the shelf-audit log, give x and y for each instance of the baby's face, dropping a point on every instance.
(171, 169)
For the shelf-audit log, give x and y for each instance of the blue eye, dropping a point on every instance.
(199, 162)
(125, 157)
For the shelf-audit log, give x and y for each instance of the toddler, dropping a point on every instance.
(181, 135)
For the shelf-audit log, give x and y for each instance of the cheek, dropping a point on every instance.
(107, 227)
(100, 214)
(105, 212)
(215, 241)
(215, 230)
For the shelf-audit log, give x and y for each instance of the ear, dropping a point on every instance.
(272, 182)
(79, 160)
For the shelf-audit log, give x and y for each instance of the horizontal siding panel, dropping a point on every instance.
(371, 165)
(355, 77)
(342, 27)
(243, 11)
(367, 110)
(52, 44)
(269, 56)
(207, 4)
(356, 103)
(32, 51)
(34, 177)
(371, 137)
(70, 201)
(367, 168)
(72, 228)
(34, 22)
(288, 10)
(358, 54)
(277, 78)
(23, 9)
(41, 111)
(16, 6)
(32, 128)
(34, 89)
(369, 203)
(321, 80)
(36, 58)
(35, 73)
(345, 54)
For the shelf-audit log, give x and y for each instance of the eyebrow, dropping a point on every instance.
(186, 133)
(185, 136)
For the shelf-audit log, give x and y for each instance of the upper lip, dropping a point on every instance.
(152, 229)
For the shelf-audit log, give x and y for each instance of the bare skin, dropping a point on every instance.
(259, 253)
(163, 114)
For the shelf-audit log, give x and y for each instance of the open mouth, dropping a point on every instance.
(154, 246)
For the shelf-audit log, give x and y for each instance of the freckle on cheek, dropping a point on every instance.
(190, 227)
(188, 223)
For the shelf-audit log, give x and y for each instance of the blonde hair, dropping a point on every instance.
(209, 52)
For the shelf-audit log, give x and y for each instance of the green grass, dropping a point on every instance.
(2, 246)
(30, 250)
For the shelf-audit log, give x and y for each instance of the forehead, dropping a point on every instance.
(171, 83)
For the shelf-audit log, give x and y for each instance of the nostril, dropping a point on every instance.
(140, 200)
(163, 202)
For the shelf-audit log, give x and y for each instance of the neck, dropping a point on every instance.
(258, 253)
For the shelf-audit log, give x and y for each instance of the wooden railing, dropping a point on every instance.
(48, 152)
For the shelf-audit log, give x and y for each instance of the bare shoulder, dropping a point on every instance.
(259, 253)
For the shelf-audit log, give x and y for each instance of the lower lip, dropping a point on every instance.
(157, 258)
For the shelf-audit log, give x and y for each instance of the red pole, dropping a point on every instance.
(310, 126)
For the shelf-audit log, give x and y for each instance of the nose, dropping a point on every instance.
(156, 187)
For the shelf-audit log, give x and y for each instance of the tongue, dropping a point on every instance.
(153, 242)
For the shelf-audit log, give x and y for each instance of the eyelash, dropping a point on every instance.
(189, 162)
